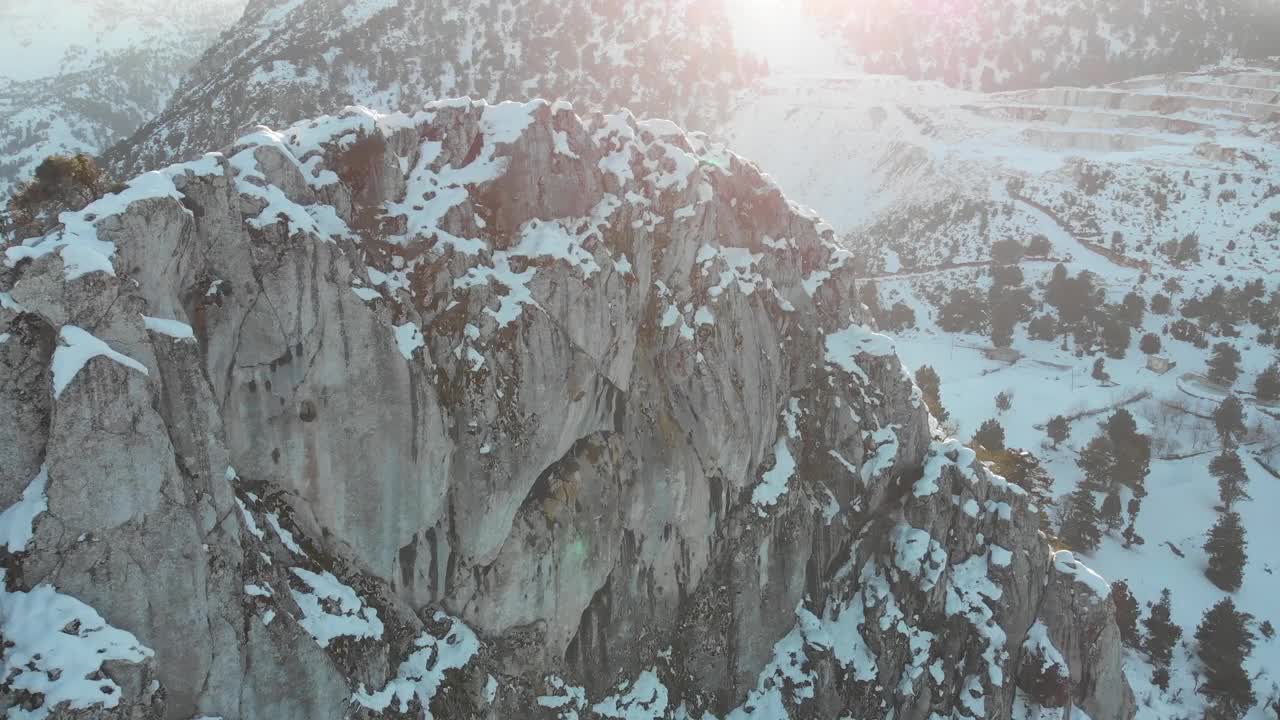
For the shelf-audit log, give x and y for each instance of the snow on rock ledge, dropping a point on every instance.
(79, 348)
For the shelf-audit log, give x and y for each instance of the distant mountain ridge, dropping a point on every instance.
(296, 58)
(1000, 45)
(82, 76)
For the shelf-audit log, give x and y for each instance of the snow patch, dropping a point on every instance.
(566, 698)
(79, 347)
(409, 338)
(843, 348)
(173, 328)
(253, 590)
(885, 442)
(773, 484)
(17, 522)
(286, 537)
(645, 699)
(352, 617)
(422, 673)
(1039, 644)
(77, 241)
(366, 294)
(1064, 561)
(53, 644)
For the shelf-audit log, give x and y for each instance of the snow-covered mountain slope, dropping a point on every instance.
(531, 415)
(682, 60)
(79, 75)
(918, 175)
(291, 59)
(925, 181)
(998, 44)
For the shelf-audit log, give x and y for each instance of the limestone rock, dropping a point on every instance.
(498, 410)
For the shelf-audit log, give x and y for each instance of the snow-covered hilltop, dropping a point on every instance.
(78, 76)
(291, 59)
(498, 411)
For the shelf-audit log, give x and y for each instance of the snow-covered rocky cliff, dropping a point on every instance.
(497, 411)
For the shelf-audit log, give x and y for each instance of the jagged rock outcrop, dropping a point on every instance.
(497, 411)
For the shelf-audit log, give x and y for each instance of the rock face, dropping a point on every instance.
(489, 412)
(286, 60)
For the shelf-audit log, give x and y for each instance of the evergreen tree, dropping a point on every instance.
(1006, 252)
(1188, 249)
(1118, 455)
(1115, 338)
(1130, 451)
(1232, 478)
(1043, 328)
(901, 317)
(1267, 385)
(1111, 511)
(1226, 550)
(1007, 276)
(1121, 426)
(1024, 470)
(1126, 613)
(1150, 344)
(1054, 292)
(1059, 429)
(1079, 523)
(1002, 325)
(1100, 370)
(1160, 678)
(990, 436)
(1224, 365)
(1133, 308)
(965, 311)
(1031, 476)
(1162, 637)
(931, 387)
(1131, 536)
(1096, 462)
(1225, 641)
(1228, 418)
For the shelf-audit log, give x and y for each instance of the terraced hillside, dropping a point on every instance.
(999, 45)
